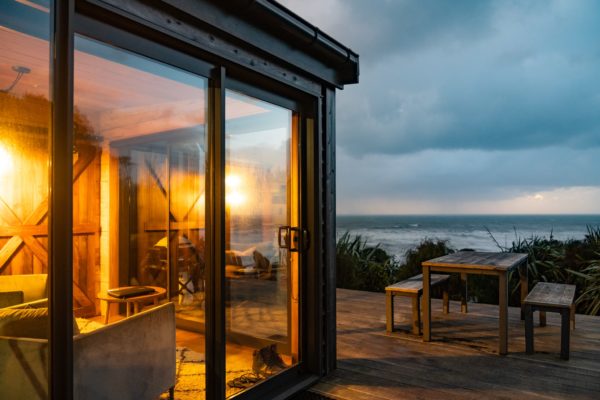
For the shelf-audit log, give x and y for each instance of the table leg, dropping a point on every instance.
(542, 318)
(426, 304)
(416, 315)
(107, 312)
(565, 328)
(389, 312)
(523, 275)
(446, 300)
(136, 308)
(503, 309)
(463, 293)
(528, 329)
(127, 312)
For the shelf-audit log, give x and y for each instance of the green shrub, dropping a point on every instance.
(364, 267)
(569, 261)
(426, 250)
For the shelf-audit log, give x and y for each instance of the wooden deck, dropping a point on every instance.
(462, 360)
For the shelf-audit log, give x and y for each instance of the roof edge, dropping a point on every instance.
(339, 55)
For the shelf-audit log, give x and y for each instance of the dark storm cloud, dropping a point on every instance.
(468, 74)
(377, 29)
(467, 174)
(463, 101)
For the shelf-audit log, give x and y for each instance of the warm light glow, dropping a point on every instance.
(232, 181)
(234, 196)
(6, 161)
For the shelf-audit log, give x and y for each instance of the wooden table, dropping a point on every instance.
(135, 300)
(479, 263)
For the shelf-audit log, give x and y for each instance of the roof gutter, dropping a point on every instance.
(337, 55)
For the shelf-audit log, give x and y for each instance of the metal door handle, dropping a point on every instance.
(293, 238)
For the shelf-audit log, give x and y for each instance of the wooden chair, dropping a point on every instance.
(553, 297)
(413, 288)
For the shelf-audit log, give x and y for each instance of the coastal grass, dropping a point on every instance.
(362, 266)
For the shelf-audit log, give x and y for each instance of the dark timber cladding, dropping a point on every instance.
(60, 215)
(284, 46)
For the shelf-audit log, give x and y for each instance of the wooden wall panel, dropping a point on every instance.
(24, 197)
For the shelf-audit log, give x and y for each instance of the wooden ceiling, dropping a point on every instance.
(119, 100)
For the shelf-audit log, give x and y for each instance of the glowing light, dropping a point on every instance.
(538, 197)
(234, 196)
(6, 162)
(232, 181)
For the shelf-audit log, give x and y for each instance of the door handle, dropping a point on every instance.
(283, 237)
(293, 238)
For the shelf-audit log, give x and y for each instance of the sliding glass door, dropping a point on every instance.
(140, 154)
(261, 240)
(142, 204)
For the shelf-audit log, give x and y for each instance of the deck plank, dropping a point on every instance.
(461, 362)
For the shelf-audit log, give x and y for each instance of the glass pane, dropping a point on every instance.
(261, 278)
(138, 219)
(25, 123)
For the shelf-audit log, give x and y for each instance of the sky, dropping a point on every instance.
(467, 107)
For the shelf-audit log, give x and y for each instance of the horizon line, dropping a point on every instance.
(464, 214)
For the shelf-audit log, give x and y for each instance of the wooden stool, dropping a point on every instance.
(552, 297)
(413, 288)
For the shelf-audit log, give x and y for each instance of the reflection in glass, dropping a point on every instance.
(138, 200)
(25, 124)
(261, 277)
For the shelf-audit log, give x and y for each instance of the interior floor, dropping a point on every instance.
(191, 371)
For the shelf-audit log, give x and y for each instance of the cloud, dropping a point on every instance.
(377, 29)
(469, 106)
(449, 180)
(476, 75)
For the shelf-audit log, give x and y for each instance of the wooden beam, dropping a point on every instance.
(175, 226)
(87, 155)
(8, 250)
(42, 230)
(7, 214)
(38, 250)
(160, 185)
(81, 297)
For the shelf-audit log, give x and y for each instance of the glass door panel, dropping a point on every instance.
(138, 209)
(25, 261)
(261, 273)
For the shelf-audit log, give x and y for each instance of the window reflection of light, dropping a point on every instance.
(234, 196)
(6, 161)
(232, 181)
(34, 5)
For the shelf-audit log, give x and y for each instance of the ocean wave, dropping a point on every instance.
(397, 234)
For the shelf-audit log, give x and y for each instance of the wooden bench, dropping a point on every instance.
(552, 297)
(413, 288)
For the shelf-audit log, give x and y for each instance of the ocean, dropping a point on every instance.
(398, 233)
